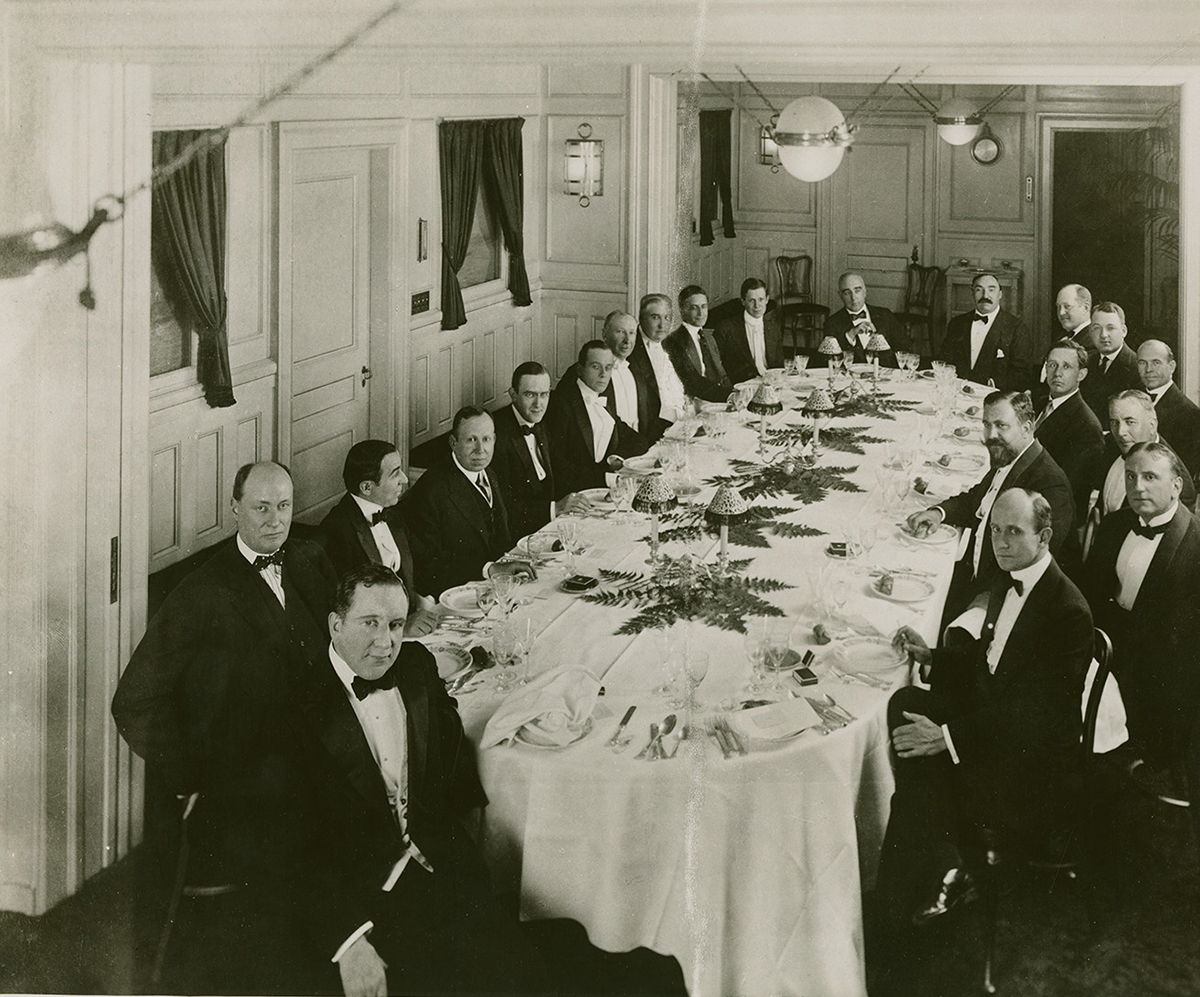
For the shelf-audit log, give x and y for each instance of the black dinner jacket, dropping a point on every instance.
(341, 839)
(1156, 643)
(1098, 386)
(651, 424)
(1072, 435)
(1017, 731)
(526, 499)
(730, 335)
(1011, 372)
(839, 324)
(1036, 470)
(452, 531)
(714, 386)
(197, 698)
(349, 543)
(570, 434)
(1179, 425)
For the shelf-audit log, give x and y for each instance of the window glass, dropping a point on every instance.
(483, 254)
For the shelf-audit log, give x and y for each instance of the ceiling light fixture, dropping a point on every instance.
(958, 120)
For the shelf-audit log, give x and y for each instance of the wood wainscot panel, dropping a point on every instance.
(165, 506)
(210, 481)
(592, 234)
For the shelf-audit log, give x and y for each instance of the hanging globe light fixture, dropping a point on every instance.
(958, 121)
(812, 136)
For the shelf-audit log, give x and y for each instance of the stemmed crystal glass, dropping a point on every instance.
(526, 638)
(505, 587)
(695, 664)
(623, 491)
(777, 651)
(755, 643)
(568, 534)
(485, 597)
(504, 650)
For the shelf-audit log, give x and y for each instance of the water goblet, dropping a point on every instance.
(485, 597)
(568, 535)
(777, 652)
(695, 664)
(755, 643)
(526, 638)
(623, 491)
(504, 650)
(504, 585)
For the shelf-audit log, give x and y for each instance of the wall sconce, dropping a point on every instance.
(768, 151)
(583, 166)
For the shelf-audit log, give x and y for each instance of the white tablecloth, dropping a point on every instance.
(748, 870)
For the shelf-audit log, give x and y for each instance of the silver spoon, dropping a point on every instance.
(668, 725)
(649, 744)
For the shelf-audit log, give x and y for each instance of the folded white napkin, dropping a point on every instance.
(1111, 731)
(775, 721)
(551, 711)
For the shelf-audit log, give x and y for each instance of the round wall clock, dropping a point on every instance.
(986, 149)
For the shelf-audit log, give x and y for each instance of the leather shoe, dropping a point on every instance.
(956, 888)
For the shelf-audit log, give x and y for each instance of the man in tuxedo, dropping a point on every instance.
(1115, 366)
(455, 512)
(1178, 415)
(1143, 583)
(522, 460)
(854, 323)
(1017, 459)
(632, 391)
(582, 429)
(993, 743)
(377, 855)
(1067, 427)
(365, 526)
(750, 343)
(990, 343)
(198, 702)
(694, 352)
(1073, 308)
(650, 361)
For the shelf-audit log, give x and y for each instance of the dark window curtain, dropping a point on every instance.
(714, 173)
(504, 188)
(188, 218)
(460, 146)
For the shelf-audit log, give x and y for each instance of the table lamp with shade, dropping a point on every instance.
(764, 403)
(831, 350)
(818, 403)
(727, 506)
(876, 344)
(655, 497)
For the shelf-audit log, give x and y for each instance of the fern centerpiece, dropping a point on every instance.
(685, 588)
(688, 524)
(788, 476)
(847, 439)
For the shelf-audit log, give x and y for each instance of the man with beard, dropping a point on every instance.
(1017, 458)
(989, 344)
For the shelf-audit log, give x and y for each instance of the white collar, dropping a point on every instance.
(471, 476)
(1166, 517)
(751, 320)
(1157, 393)
(1056, 402)
(1078, 329)
(345, 673)
(1031, 574)
(521, 420)
(620, 363)
(989, 318)
(247, 553)
(590, 397)
(1111, 356)
(368, 507)
(694, 330)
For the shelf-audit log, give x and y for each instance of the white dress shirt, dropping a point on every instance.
(980, 327)
(694, 332)
(478, 479)
(1112, 497)
(384, 723)
(625, 392)
(973, 619)
(1106, 360)
(531, 445)
(389, 551)
(865, 316)
(985, 509)
(1157, 393)
(272, 574)
(671, 396)
(1134, 557)
(757, 341)
(601, 419)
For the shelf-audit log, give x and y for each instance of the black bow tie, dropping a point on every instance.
(379, 517)
(858, 314)
(980, 318)
(364, 687)
(1149, 532)
(266, 560)
(1006, 581)
(527, 430)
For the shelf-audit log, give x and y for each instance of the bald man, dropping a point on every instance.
(853, 324)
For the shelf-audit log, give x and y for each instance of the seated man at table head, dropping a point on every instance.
(854, 323)
(989, 344)
(1067, 427)
(694, 352)
(366, 527)
(993, 743)
(1178, 415)
(1017, 459)
(1114, 364)
(1143, 583)
(583, 430)
(654, 325)
(522, 461)
(750, 343)
(386, 877)
(455, 512)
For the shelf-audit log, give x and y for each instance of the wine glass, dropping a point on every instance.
(485, 597)
(504, 650)
(837, 589)
(623, 491)
(695, 664)
(526, 638)
(568, 534)
(777, 651)
(504, 585)
(755, 643)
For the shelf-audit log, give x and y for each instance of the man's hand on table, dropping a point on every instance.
(918, 739)
(364, 973)
(575, 504)
(908, 642)
(421, 623)
(924, 522)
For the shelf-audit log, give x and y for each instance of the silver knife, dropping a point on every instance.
(612, 741)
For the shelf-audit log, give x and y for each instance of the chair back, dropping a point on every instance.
(1102, 653)
(795, 278)
(923, 286)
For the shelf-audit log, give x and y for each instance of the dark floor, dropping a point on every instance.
(1131, 930)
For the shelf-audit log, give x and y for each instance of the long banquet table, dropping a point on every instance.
(749, 869)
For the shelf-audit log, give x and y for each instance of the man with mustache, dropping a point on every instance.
(1017, 458)
(990, 343)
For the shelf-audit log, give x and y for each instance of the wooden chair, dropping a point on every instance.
(920, 304)
(797, 312)
(1058, 857)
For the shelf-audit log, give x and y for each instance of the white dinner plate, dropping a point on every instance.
(870, 655)
(541, 546)
(905, 588)
(529, 740)
(461, 601)
(597, 496)
(942, 535)
(959, 462)
(450, 660)
(646, 464)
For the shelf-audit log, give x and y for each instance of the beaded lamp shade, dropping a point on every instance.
(654, 495)
(818, 402)
(727, 506)
(765, 401)
(877, 343)
(830, 347)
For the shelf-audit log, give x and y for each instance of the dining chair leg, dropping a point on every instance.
(991, 902)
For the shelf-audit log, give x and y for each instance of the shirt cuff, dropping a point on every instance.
(949, 743)
(366, 926)
(610, 479)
